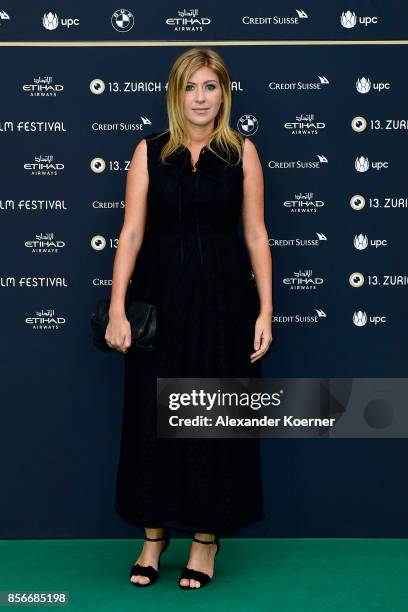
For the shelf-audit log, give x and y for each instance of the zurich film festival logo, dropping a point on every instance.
(98, 165)
(247, 125)
(97, 86)
(359, 124)
(122, 20)
(364, 85)
(51, 21)
(30, 282)
(98, 242)
(357, 202)
(33, 205)
(356, 279)
(32, 126)
(349, 19)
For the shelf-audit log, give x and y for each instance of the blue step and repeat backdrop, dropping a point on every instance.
(321, 89)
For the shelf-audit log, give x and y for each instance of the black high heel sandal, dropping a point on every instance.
(201, 577)
(149, 571)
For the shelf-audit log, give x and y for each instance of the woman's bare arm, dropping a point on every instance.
(256, 236)
(132, 232)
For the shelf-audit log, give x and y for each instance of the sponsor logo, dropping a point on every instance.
(350, 19)
(51, 21)
(122, 20)
(188, 20)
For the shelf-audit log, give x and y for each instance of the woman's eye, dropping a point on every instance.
(210, 86)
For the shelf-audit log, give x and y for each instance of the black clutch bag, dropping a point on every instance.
(142, 319)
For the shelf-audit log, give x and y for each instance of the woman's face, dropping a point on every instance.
(203, 97)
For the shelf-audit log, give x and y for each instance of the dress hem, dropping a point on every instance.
(187, 527)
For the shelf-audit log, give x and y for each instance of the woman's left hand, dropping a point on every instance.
(263, 336)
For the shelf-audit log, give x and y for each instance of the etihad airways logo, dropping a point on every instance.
(188, 20)
(303, 280)
(45, 320)
(44, 165)
(44, 243)
(303, 203)
(304, 125)
(43, 87)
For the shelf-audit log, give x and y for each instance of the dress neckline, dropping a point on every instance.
(194, 167)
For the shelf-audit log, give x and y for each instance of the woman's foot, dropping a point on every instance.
(150, 554)
(201, 558)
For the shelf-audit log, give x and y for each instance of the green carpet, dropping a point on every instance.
(302, 574)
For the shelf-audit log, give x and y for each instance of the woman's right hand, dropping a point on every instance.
(118, 333)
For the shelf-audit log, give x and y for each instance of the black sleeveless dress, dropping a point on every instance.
(194, 267)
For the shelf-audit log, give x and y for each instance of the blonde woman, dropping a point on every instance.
(187, 188)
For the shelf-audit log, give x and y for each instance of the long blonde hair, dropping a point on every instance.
(223, 136)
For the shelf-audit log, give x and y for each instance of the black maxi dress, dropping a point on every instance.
(194, 267)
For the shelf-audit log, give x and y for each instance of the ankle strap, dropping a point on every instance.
(155, 539)
(202, 541)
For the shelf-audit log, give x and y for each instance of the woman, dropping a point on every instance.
(186, 188)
